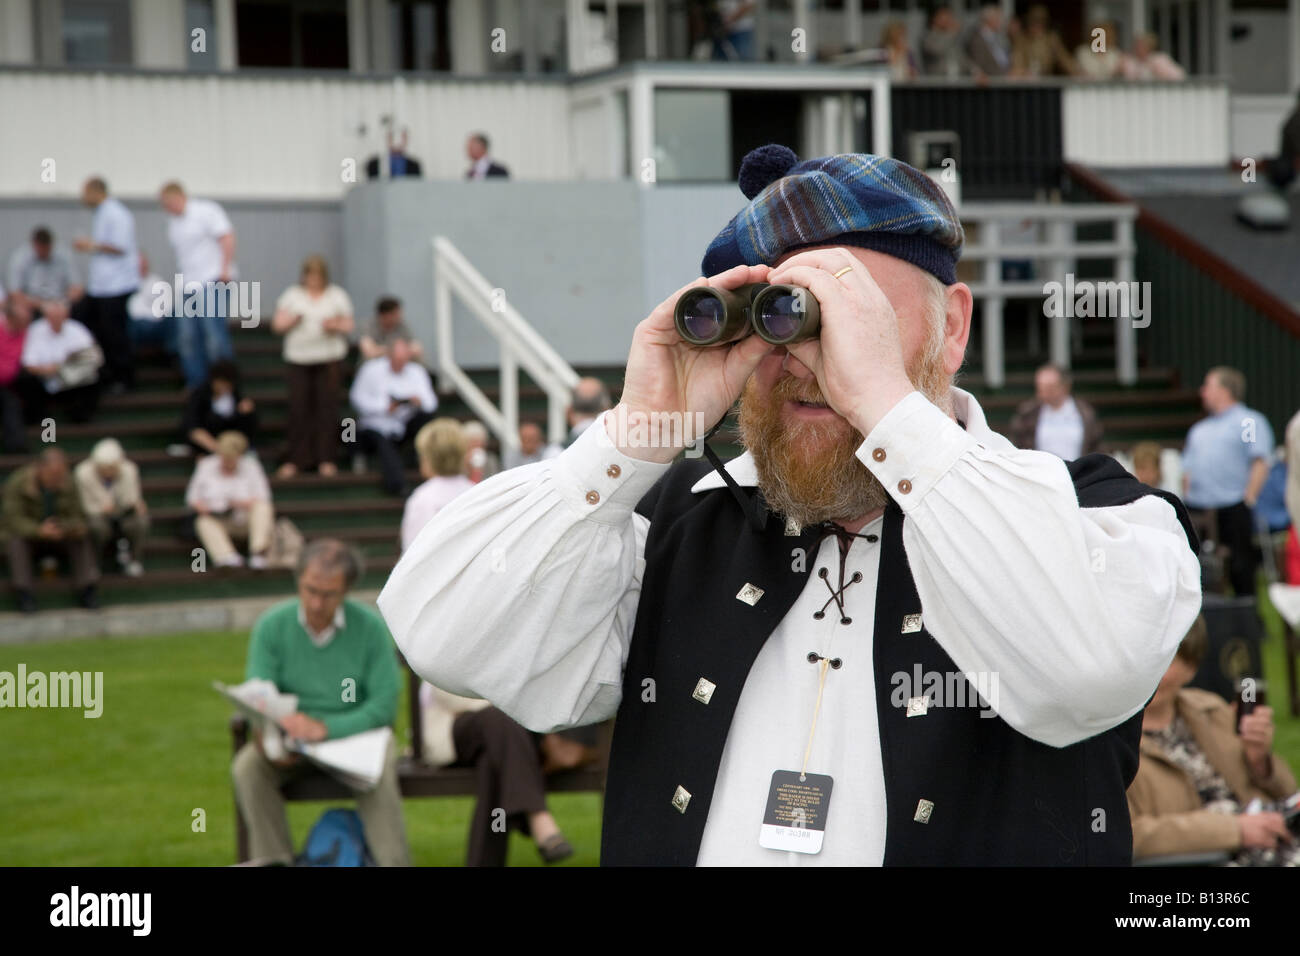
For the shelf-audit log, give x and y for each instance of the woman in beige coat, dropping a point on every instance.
(1197, 775)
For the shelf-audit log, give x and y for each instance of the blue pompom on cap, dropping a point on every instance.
(763, 166)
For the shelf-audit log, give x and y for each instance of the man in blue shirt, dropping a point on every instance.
(113, 278)
(1225, 464)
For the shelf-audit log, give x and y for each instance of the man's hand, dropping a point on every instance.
(1257, 739)
(110, 508)
(245, 406)
(1263, 830)
(201, 509)
(51, 530)
(303, 727)
(667, 375)
(858, 358)
(83, 244)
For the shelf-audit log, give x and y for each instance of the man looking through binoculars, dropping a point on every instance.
(746, 622)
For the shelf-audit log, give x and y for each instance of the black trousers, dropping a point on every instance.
(393, 452)
(110, 324)
(78, 403)
(1237, 531)
(507, 762)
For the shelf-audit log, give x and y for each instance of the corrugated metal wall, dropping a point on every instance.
(256, 135)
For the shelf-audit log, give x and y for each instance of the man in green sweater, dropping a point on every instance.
(337, 656)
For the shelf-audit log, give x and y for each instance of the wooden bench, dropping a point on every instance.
(416, 777)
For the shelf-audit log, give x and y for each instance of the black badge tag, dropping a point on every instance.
(795, 818)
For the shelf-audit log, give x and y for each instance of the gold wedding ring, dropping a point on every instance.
(836, 275)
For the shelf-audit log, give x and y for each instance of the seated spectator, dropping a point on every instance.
(315, 318)
(61, 365)
(302, 646)
(1198, 772)
(232, 501)
(532, 446)
(480, 461)
(1100, 57)
(441, 447)
(901, 59)
(109, 485)
(394, 398)
(388, 324)
(1039, 50)
(1146, 464)
(38, 272)
(987, 49)
(1054, 420)
(216, 406)
(42, 517)
(941, 52)
(146, 328)
(13, 333)
(590, 398)
(1146, 62)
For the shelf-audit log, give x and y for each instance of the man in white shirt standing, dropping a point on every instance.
(882, 635)
(204, 242)
(113, 278)
(394, 397)
(1054, 420)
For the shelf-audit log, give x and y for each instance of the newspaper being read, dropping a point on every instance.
(357, 760)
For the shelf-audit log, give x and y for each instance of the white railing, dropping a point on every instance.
(1052, 242)
(521, 346)
(1146, 124)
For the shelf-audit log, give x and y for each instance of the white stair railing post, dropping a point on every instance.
(1125, 336)
(1060, 233)
(994, 359)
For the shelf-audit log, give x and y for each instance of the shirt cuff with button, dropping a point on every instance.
(601, 480)
(912, 447)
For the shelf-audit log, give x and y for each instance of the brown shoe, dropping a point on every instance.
(555, 848)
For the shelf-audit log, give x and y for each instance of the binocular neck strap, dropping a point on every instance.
(754, 507)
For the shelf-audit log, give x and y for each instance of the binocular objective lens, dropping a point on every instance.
(780, 315)
(702, 315)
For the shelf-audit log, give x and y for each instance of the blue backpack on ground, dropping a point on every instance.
(337, 839)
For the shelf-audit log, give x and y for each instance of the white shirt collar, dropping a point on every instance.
(327, 635)
(965, 407)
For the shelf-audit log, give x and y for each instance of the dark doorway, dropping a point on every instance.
(310, 34)
(758, 118)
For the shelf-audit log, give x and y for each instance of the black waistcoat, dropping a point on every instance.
(998, 796)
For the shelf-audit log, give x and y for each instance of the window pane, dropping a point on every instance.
(97, 32)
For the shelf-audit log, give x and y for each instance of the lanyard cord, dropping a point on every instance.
(821, 686)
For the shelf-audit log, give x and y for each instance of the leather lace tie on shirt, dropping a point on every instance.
(844, 538)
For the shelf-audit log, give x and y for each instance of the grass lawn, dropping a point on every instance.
(122, 789)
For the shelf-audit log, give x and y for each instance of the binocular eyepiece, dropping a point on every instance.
(779, 314)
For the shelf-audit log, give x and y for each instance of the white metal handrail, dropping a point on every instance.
(1060, 251)
(519, 342)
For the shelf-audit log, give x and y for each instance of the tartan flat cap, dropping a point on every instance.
(850, 199)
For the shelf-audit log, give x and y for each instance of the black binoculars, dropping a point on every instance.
(779, 314)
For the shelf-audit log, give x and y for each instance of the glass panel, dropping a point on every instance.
(97, 32)
(199, 16)
(692, 136)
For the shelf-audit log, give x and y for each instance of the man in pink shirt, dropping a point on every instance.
(13, 331)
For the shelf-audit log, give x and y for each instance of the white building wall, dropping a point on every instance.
(238, 136)
(17, 36)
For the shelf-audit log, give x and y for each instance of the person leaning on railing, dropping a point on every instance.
(1197, 776)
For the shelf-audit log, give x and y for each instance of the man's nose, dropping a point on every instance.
(792, 366)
